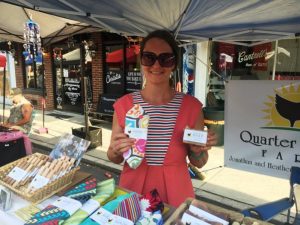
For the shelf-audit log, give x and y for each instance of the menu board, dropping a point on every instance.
(133, 81)
(72, 90)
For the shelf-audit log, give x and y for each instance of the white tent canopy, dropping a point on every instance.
(52, 28)
(228, 20)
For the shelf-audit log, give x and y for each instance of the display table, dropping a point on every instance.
(10, 218)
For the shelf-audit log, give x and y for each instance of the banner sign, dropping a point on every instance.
(189, 62)
(262, 126)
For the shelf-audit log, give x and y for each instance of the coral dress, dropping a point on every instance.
(171, 179)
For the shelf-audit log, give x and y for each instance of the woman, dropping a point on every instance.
(164, 166)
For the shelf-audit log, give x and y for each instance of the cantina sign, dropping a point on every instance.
(244, 57)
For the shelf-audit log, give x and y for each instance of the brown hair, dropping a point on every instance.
(167, 37)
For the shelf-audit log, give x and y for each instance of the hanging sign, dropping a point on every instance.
(262, 126)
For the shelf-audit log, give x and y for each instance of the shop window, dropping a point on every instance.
(122, 69)
(239, 62)
(34, 72)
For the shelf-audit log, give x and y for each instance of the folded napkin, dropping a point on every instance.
(84, 191)
(56, 213)
(104, 190)
(152, 202)
(110, 207)
(136, 118)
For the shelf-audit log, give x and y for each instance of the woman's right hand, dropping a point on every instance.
(120, 143)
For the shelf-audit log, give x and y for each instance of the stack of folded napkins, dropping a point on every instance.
(197, 215)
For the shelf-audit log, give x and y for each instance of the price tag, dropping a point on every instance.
(68, 204)
(137, 133)
(90, 206)
(17, 174)
(39, 182)
(104, 217)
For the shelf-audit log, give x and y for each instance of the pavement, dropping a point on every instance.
(230, 188)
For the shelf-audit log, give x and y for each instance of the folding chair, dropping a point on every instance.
(267, 211)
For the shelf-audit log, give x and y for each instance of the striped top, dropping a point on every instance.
(161, 125)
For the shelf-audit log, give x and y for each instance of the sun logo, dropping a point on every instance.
(283, 109)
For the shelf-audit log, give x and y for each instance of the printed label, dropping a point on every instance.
(137, 133)
(195, 136)
(39, 182)
(17, 174)
(68, 204)
(103, 217)
(90, 206)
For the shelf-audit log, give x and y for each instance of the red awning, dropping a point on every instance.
(2, 60)
(117, 56)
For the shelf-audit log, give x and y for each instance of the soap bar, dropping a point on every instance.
(196, 137)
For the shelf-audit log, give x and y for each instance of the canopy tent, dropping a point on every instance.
(52, 28)
(117, 55)
(193, 20)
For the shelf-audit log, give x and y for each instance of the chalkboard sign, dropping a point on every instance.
(114, 81)
(133, 81)
(105, 104)
(72, 89)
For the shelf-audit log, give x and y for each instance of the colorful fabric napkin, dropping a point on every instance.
(151, 219)
(104, 190)
(111, 206)
(55, 213)
(84, 191)
(136, 118)
(129, 208)
(152, 202)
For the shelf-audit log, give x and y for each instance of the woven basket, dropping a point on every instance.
(42, 193)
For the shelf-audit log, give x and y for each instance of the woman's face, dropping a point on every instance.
(156, 73)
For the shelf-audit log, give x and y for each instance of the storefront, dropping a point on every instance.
(122, 73)
(237, 62)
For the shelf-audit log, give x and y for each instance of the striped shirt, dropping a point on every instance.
(161, 125)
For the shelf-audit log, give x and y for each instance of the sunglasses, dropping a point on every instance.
(164, 59)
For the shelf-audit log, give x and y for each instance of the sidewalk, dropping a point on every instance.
(224, 186)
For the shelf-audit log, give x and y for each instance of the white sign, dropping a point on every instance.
(262, 126)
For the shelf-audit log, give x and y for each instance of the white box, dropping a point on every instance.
(196, 137)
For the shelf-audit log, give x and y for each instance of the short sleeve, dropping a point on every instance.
(121, 107)
(190, 102)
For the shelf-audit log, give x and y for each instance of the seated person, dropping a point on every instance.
(20, 117)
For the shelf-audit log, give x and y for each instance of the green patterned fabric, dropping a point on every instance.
(104, 190)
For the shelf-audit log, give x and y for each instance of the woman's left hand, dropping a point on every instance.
(211, 141)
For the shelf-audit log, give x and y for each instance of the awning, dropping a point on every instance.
(233, 21)
(2, 60)
(117, 56)
(52, 28)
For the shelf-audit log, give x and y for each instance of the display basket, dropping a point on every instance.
(230, 215)
(42, 193)
(216, 210)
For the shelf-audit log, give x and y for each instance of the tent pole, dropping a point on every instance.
(275, 60)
